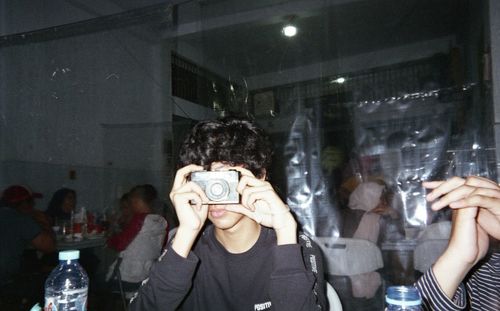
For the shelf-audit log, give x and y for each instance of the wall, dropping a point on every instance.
(60, 98)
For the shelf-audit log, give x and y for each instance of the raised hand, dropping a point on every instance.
(261, 203)
(186, 196)
(476, 203)
(470, 192)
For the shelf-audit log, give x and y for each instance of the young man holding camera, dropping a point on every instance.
(247, 257)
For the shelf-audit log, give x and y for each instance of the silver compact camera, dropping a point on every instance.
(219, 186)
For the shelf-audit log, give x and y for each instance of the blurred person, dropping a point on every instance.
(245, 256)
(156, 204)
(61, 205)
(119, 216)
(21, 226)
(466, 276)
(161, 208)
(370, 217)
(135, 206)
(141, 239)
(60, 211)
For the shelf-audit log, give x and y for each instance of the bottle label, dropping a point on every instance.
(68, 300)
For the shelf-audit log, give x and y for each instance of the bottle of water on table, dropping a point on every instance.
(67, 286)
(403, 298)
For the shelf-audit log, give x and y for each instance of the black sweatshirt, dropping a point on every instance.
(266, 277)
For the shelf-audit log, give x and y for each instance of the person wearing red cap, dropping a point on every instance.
(22, 198)
(20, 226)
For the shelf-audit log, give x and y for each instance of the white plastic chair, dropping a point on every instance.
(347, 256)
(333, 298)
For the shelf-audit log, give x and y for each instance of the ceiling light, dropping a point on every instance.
(289, 30)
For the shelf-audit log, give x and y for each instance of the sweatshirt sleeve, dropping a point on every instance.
(433, 298)
(292, 286)
(169, 282)
(121, 240)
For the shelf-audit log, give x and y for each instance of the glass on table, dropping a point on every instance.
(67, 230)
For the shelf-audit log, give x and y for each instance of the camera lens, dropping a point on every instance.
(217, 190)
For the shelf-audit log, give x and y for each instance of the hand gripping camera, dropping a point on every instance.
(219, 186)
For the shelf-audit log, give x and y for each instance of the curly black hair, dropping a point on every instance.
(233, 141)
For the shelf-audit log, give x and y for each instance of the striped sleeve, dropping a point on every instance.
(433, 298)
(484, 285)
(480, 292)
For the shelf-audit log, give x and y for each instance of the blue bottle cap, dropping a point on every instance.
(69, 255)
(405, 296)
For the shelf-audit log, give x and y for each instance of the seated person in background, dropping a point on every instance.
(61, 205)
(135, 206)
(141, 239)
(20, 226)
(371, 218)
(233, 256)
(475, 202)
(156, 204)
(160, 208)
(120, 216)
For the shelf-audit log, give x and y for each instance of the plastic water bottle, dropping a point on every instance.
(403, 298)
(67, 286)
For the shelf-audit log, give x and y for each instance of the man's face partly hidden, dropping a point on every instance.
(217, 214)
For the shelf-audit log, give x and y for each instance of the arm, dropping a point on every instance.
(433, 297)
(169, 282)
(441, 287)
(121, 240)
(41, 239)
(43, 220)
(468, 244)
(470, 198)
(187, 198)
(44, 242)
(171, 277)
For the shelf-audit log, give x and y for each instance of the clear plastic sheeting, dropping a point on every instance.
(403, 142)
(368, 209)
(368, 99)
(307, 190)
(398, 142)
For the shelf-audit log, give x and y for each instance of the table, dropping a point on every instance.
(93, 242)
